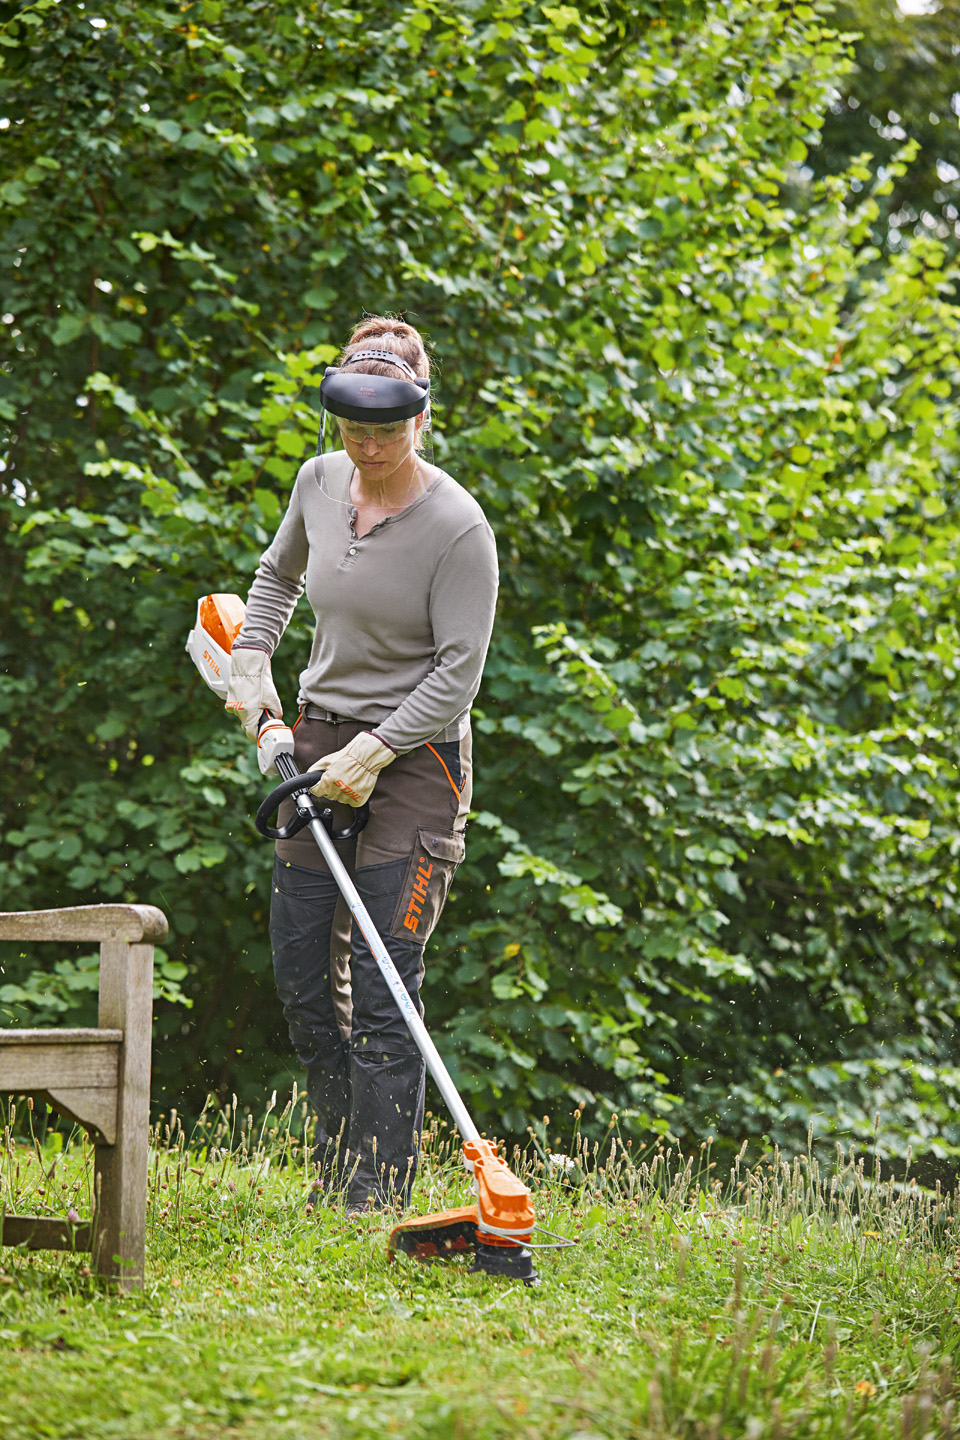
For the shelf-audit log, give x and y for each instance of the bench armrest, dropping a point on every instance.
(131, 924)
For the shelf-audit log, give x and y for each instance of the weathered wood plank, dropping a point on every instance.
(60, 1037)
(130, 923)
(39, 1232)
(94, 1109)
(24, 1068)
(99, 1077)
(126, 1003)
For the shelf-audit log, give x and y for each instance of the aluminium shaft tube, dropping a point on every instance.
(451, 1096)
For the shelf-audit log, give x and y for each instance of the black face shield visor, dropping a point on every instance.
(376, 399)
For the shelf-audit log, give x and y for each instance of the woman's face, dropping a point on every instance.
(379, 451)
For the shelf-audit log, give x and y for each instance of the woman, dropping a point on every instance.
(400, 568)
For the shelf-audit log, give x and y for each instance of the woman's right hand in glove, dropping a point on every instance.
(251, 689)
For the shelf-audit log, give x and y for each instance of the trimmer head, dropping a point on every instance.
(449, 1233)
(495, 1229)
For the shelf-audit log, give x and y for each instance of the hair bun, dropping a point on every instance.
(403, 339)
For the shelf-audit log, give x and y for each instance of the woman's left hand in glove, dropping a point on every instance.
(350, 774)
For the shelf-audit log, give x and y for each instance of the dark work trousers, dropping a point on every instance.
(365, 1075)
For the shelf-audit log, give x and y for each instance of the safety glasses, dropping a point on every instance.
(357, 432)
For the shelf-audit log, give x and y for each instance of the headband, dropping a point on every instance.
(386, 356)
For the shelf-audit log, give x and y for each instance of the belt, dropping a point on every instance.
(317, 712)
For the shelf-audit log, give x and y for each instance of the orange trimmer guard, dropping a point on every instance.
(436, 1237)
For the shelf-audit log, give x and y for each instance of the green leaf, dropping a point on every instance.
(68, 328)
(13, 192)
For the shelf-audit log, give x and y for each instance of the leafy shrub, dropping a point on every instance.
(712, 879)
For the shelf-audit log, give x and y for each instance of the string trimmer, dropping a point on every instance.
(498, 1228)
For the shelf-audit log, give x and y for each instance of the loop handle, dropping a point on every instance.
(316, 810)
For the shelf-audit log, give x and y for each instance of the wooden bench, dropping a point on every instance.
(99, 1078)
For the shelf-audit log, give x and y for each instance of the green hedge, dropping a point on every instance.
(712, 881)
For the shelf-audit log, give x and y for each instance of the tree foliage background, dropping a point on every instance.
(709, 403)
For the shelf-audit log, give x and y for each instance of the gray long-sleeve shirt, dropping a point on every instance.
(404, 614)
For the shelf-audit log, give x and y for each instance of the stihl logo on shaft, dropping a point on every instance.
(412, 918)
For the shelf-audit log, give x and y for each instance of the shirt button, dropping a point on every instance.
(353, 550)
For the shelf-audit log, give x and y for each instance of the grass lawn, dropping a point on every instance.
(779, 1301)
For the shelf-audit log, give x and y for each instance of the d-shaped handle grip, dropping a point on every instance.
(294, 785)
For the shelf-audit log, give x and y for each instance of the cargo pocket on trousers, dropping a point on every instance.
(426, 884)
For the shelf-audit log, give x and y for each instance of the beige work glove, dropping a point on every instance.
(350, 774)
(251, 689)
